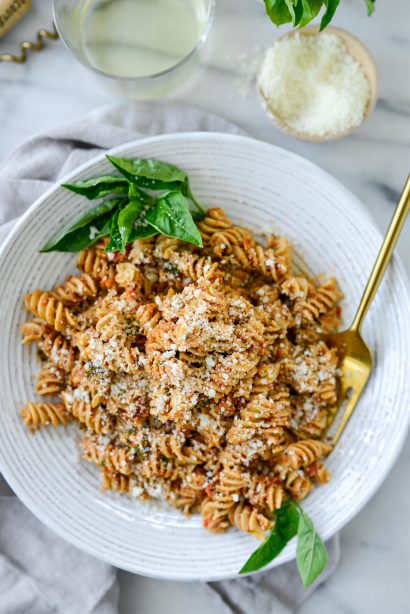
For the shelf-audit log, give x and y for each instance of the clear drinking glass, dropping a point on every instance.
(140, 49)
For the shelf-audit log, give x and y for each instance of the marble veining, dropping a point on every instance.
(373, 163)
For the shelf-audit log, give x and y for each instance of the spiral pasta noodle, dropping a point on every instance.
(215, 221)
(262, 260)
(305, 452)
(249, 519)
(147, 316)
(197, 267)
(94, 262)
(142, 251)
(76, 289)
(35, 330)
(127, 274)
(51, 310)
(92, 451)
(263, 419)
(266, 493)
(36, 415)
(234, 240)
(265, 378)
(93, 418)
(322, 299)
(167, 247)
(191, 492)
(51, 380)
(117, 482)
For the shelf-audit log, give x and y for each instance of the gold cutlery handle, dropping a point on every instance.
(384, 256)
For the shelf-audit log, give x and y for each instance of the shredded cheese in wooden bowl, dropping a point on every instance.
(317, 86)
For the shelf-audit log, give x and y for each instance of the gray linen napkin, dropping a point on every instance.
(39, 572)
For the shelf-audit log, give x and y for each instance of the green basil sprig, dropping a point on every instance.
(301, 12)
(134, 211)
(151, 174)
(171, 217)
(133, 221)
(154, 175)
(97, 187)
(311, 554)
(115, 242)
(91, 226)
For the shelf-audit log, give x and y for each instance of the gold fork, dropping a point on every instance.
(356, 361)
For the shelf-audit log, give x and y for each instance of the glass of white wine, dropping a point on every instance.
(140, 49)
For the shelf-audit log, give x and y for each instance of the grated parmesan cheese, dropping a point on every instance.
(313, 85)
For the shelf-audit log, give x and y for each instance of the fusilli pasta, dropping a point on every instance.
(198, 376)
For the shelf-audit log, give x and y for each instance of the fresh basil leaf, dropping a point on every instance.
(150, 174)
(141, 228)
(278, 12)
(135, 193)
(286, 527)
(301, 12)
(172, 217)
(154, 175)
(89, 216)
(142, 232)
(132, 223)
(288, 519)
(115, 242)
(97, 187)
(74, 238)
(331, 6)
(298, 9)
(105, 230)
(291, 8)
(370, 6)
(82, 237)
(126, 219)
(311, 554)
(310, 8)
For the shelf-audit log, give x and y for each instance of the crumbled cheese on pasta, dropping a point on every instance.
(94, 232)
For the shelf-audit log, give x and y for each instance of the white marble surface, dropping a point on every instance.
(52, 88)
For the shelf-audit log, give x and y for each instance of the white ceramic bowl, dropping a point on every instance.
(257, 184)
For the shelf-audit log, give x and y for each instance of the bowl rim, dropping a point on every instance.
(144, 78)
(357, 505)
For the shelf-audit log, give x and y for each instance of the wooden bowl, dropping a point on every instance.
(359, 52)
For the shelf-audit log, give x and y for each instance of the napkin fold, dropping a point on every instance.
(39, 572)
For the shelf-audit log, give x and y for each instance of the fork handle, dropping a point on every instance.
(384, 256)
